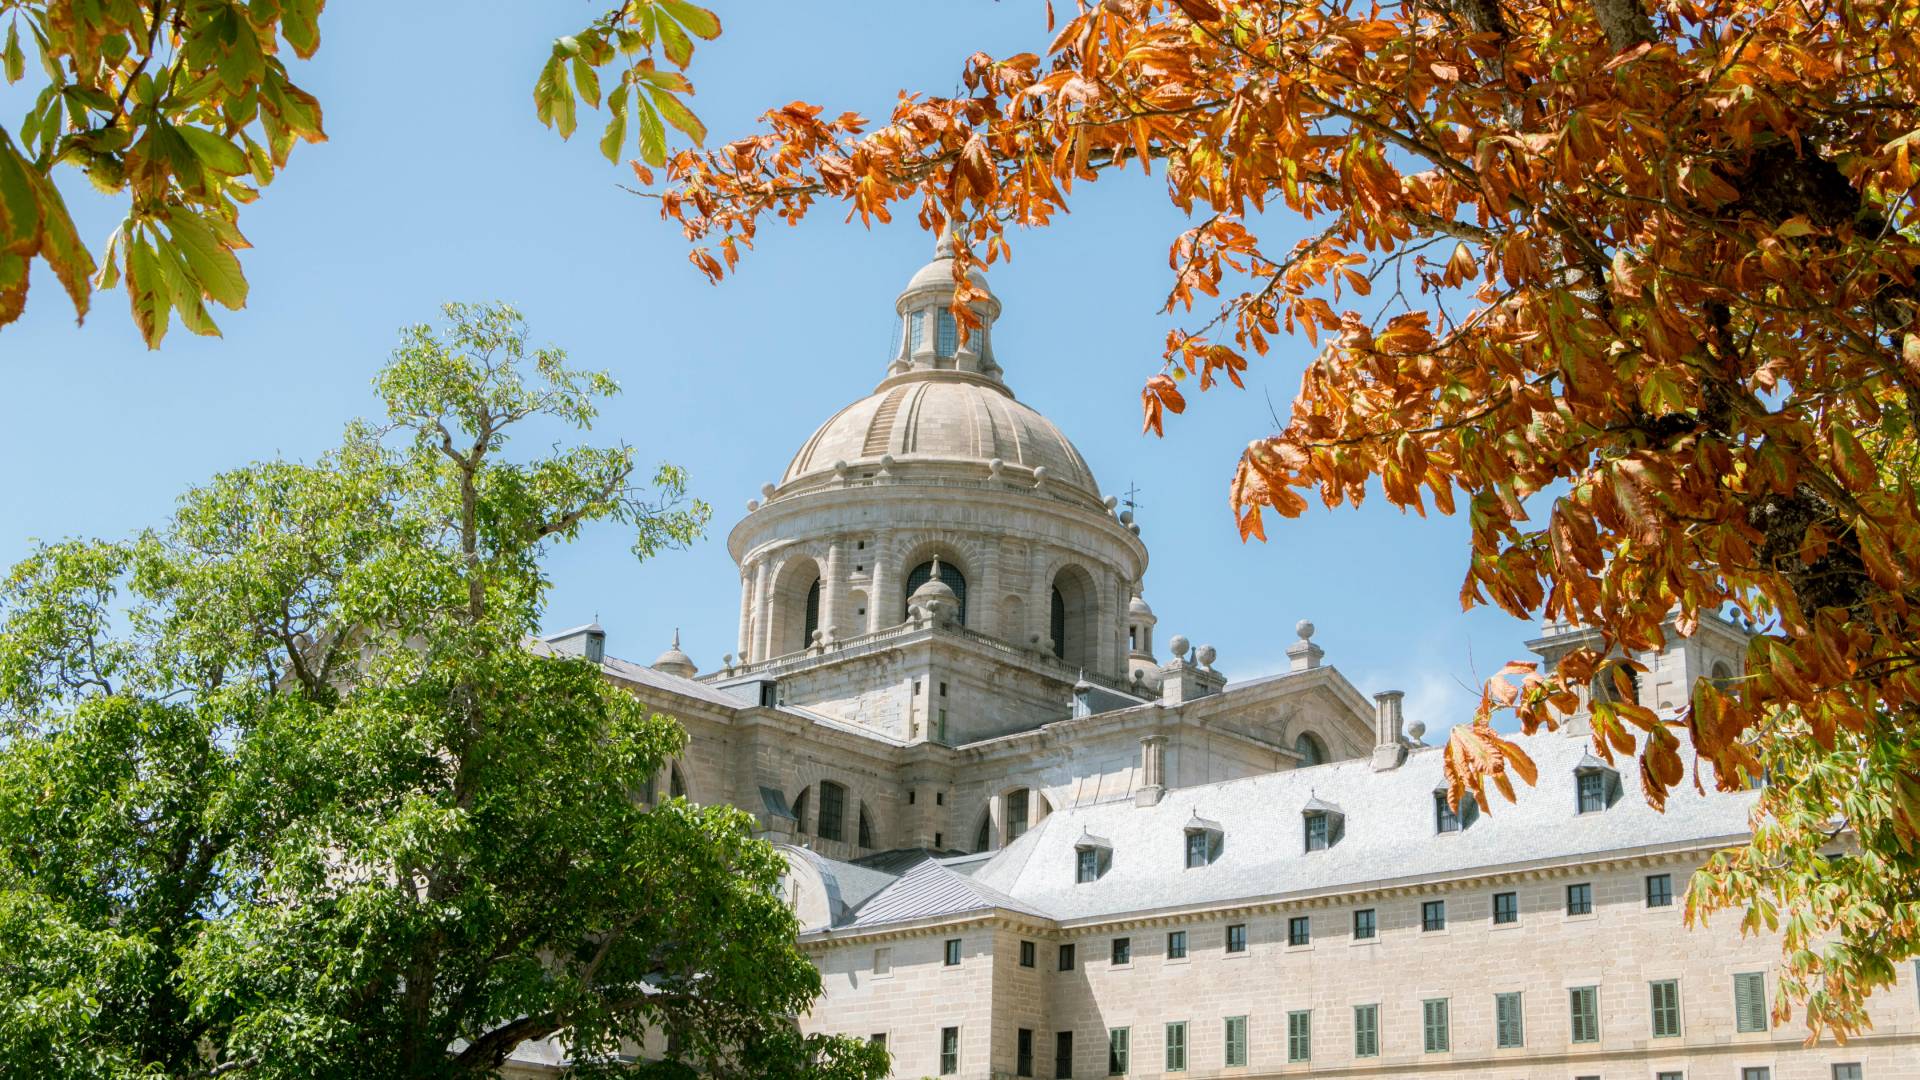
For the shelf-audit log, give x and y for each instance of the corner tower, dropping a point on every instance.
(942, 471)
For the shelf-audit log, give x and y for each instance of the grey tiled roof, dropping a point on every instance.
(848, 885)
(932, 889)
(1389, 836)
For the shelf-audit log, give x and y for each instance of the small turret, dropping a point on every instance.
(675, 662)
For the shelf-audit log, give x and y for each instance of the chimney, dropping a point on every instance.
(1389, 738)
(1153, 768)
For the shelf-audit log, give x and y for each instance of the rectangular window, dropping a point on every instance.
(1593, 792)
(1300, 1036)
(1237, 937)
(1849, 1071)
(1299, 930)
(1177, 1047)
(1062, 1055)
(1433, 915)
(1122, 950)
(1583, 1005)
(1750, 1001)
(1659, 890)
(1316, 832)
(1087, 865)
(879, 1039)
(1177, 945)
(1023, 1052)
(1509, 1024)
(1026, 954)
(883, 960)
(833, 812)
(1366, 1031)
(1196, 849)
(1760, 1072)
(1119, 1051)
(1016, 804)
(1674, 1075)
(1066, 958)
(1580, 899)
(1433, 1024)
(949, 1051)
(953, 952)
(1506, 908)
(948, 334)
(1363, 925)
(1666, 1009)
(1236, 1039)
(916, 334)
(1445, 817)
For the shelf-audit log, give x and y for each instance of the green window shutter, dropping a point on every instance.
(1236, 1040)
(1750, 1001)
(1299, 1036)
(1666, 1009)
(1119, 1055)
(1177, 1047)
(1509, 1028)
(1433, 1015)
(1584, 1005)
(1366, 1031)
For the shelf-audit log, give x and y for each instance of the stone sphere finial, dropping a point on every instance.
(995, 467)
(1206, 656)
(1112, 501)
(766, 491)
(1304, 629)
(1179, 645)
(1040, 475)
(1415, 730)
(752, 505)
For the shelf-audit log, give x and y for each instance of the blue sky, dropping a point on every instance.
(439, 184)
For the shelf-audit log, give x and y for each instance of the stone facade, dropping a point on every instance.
(947, 701)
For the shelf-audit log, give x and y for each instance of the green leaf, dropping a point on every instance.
(216, 152)
(653, 136)
(214, 267)
(11, 56)
(674, 40)
(615, 137)
(147, 291)
(695, 18)
(587, 80)
(679, 116)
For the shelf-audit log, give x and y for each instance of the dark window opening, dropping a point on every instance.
(954, 579)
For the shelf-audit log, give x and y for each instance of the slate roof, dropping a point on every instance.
(1389, 837)
(932, 889)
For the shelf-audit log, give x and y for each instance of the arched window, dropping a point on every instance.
(984, 838)
(1722, 674)
(833, 811)
(950, 574)
(866, 828)
(677, 784)
(812, 620)
(1057, 623)
(800, 810)
(947, 335)
(1310, 750)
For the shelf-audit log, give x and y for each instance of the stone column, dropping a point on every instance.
(746, 615)
(762, 610)
(833, 591)
(887, 601)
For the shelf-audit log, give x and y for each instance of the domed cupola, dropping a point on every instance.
(944, 404)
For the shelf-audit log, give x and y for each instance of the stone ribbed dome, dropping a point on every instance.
(948, 417)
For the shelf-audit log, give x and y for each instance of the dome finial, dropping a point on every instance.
(943, 247)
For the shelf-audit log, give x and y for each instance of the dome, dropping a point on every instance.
(944, 418)
(675, 662)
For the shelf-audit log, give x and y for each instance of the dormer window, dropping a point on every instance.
(1325, 824)
(1092, 856)
(1597, 785)
(1446, 819)
(1204, 841)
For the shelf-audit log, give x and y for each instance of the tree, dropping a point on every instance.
(188, 110)
(284, 791)
(1650, 316)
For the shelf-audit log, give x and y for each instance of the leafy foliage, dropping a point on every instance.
(187, 109)
(283, 791)
(1650, 323)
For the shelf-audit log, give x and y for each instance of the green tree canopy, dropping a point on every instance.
(284, 791)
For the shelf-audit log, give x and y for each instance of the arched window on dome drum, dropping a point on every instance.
(1057, 623)
(1310, 750)
(947, 333)
(812, 621)
(950, 574)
